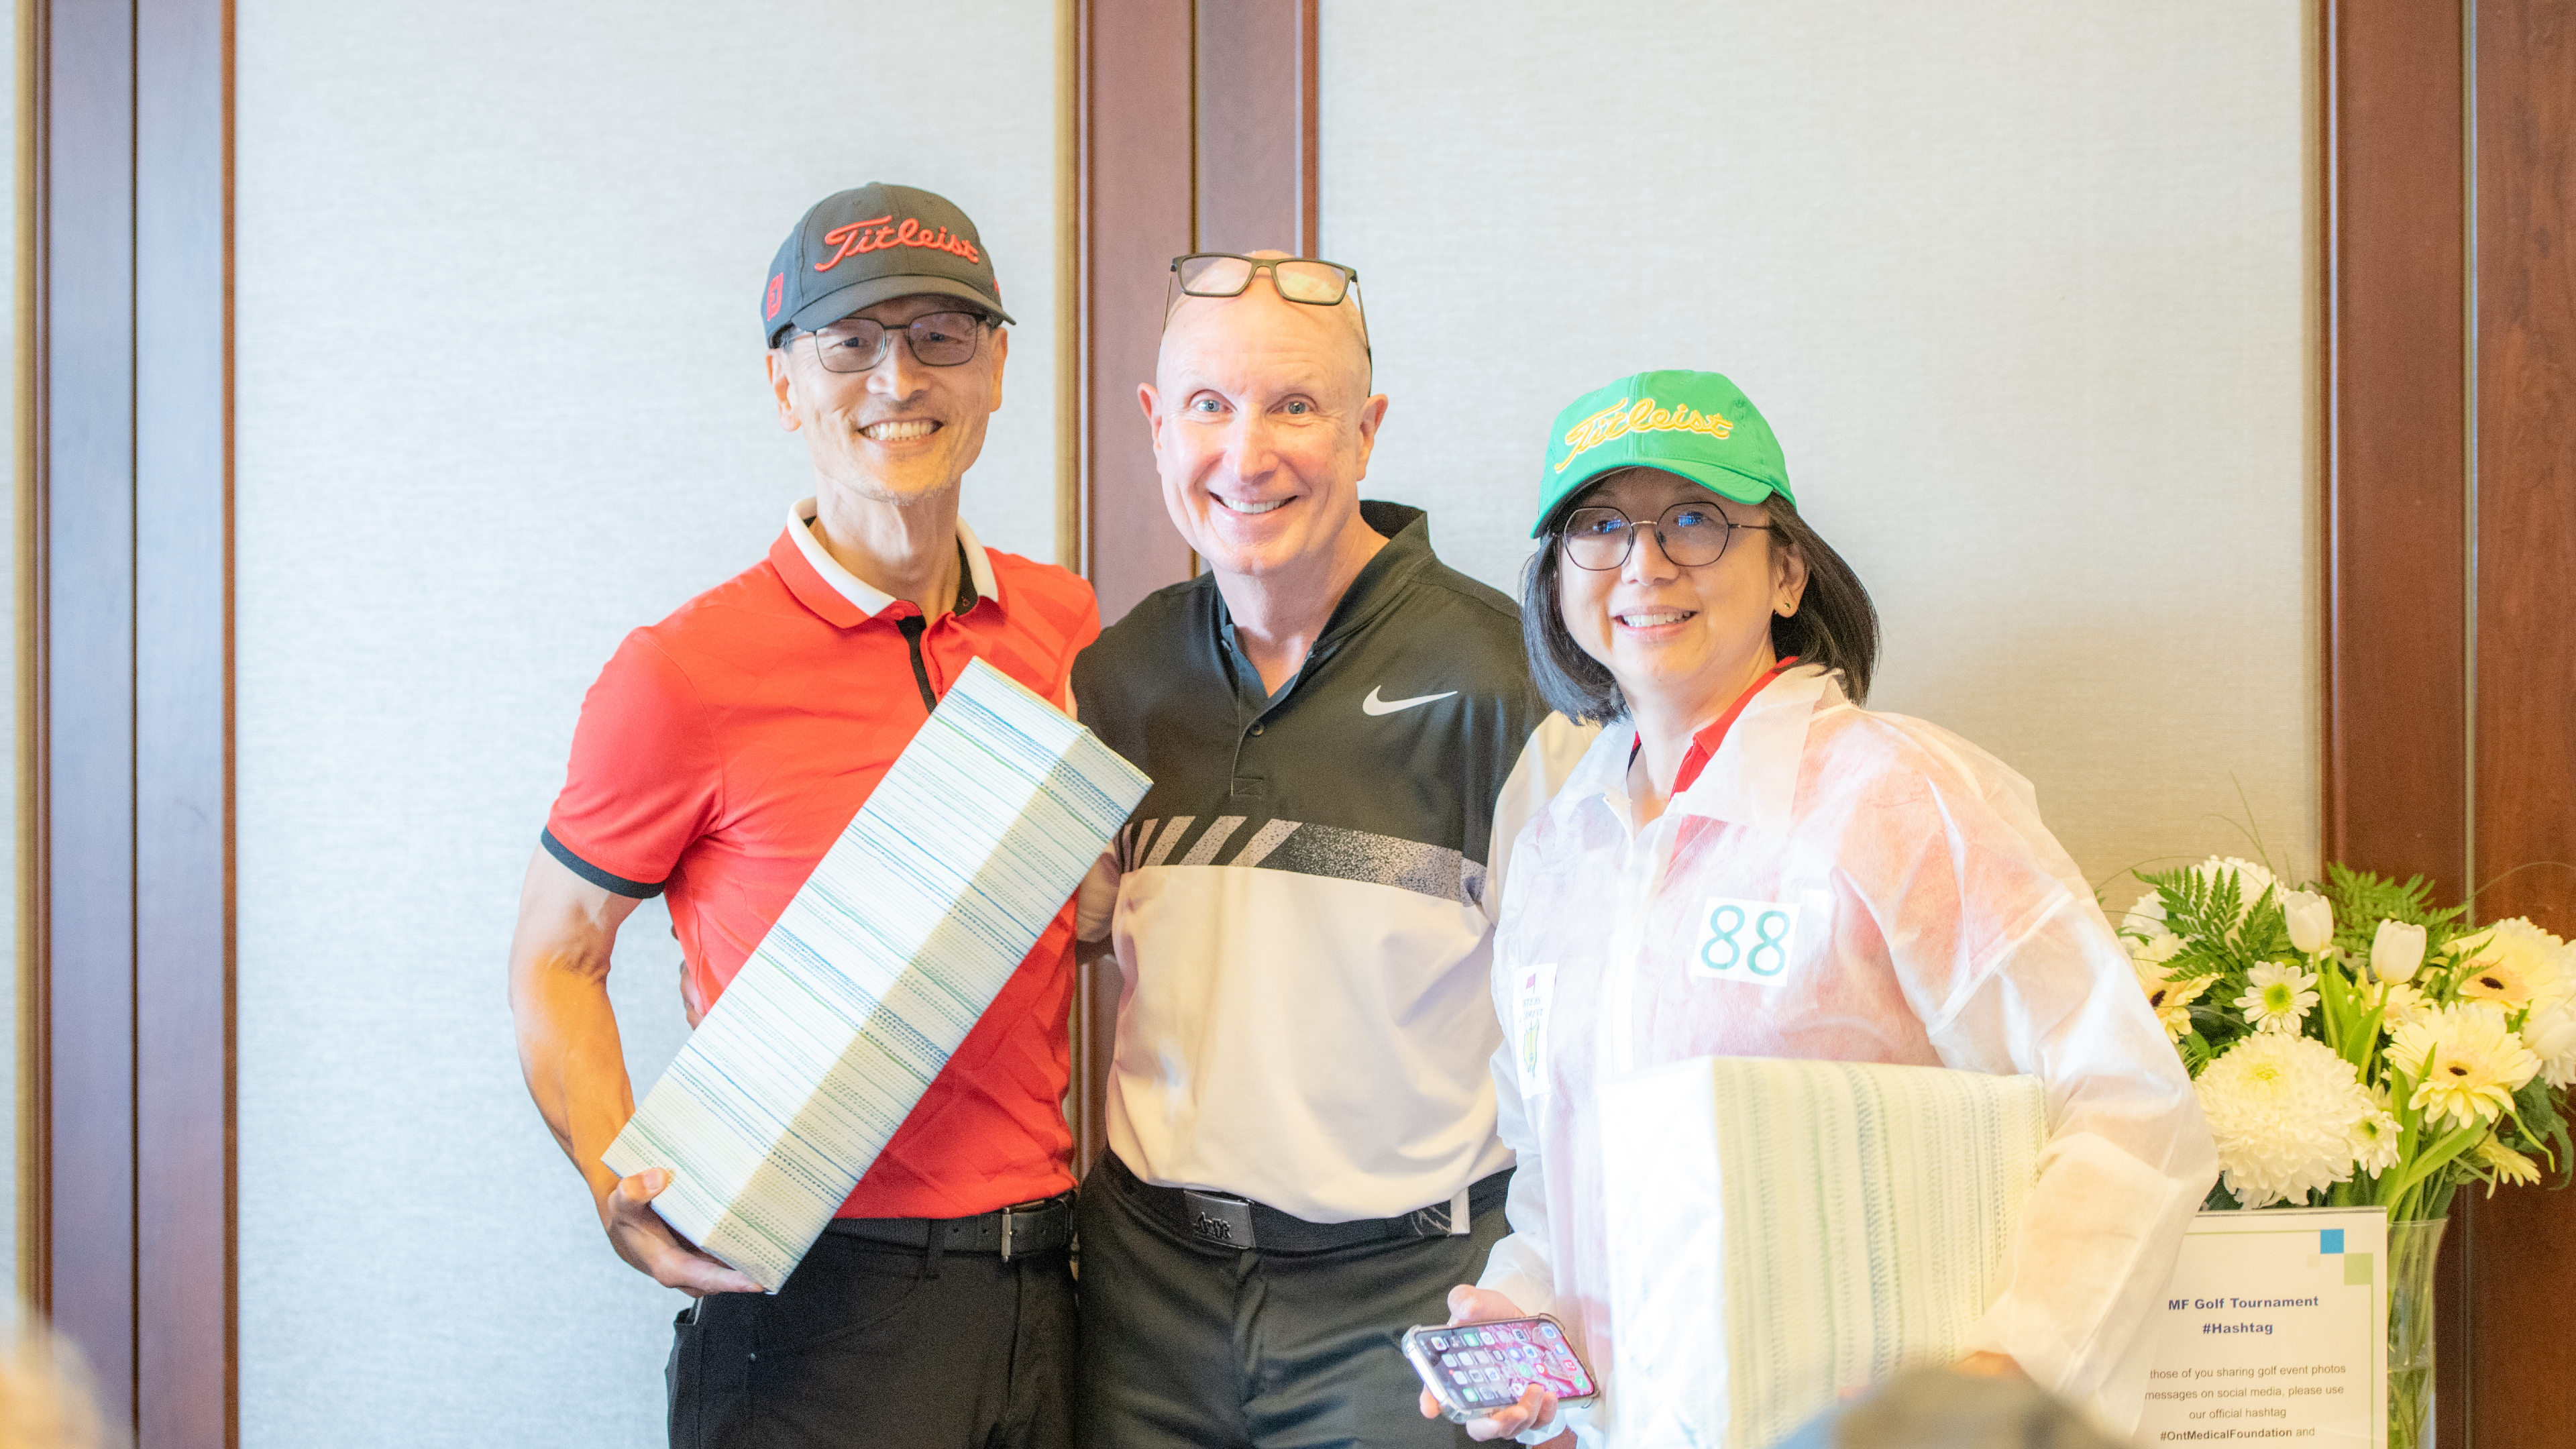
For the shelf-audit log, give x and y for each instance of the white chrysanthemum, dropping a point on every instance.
(2251, 880)
(2147, 917)
(2284, 1110)
(2170, 999)
(2375, 1136)
(2277, 996)
(2505, 1167)
(2465, 1062)
(2551, 1036)
(2514, 964)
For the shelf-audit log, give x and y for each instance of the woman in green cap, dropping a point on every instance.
(1749, 864)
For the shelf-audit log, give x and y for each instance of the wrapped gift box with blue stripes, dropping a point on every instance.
(875, 972)
(1783, 1230)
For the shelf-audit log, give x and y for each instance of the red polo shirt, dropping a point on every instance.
(724, 749)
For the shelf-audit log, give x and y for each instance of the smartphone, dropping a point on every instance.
(1475, 1369)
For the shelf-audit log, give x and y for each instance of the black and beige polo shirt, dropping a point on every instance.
(1305, 898)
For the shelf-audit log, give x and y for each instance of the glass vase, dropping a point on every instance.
(2413, 1248)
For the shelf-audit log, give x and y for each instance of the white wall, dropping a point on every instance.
(2024, 290)
(500, 400)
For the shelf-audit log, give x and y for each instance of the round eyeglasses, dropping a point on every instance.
(940, 339)
(1689, 533)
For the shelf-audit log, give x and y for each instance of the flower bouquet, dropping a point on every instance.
(2355, 1046)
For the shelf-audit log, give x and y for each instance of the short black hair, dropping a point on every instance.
(1836, 625)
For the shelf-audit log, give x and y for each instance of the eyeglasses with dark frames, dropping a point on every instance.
(1691, 533)
(938, 339)
(1311, 280)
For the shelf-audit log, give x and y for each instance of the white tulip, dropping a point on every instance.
(2311, 920)
(2396, 951)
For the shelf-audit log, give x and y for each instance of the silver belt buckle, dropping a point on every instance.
(1020, 1210)
(1221, 1218)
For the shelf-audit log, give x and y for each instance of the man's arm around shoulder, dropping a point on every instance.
(576, 1068)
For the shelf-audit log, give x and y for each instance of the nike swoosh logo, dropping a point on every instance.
(1375, 705)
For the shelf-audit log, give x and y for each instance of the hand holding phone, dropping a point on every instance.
(1480, 1370)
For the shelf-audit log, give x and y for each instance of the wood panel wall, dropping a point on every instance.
(131, 704)
(1256, 94)
(1138, 212)
(2449, 381)
(2396, 768)
(84, 681)
(2521, 1270)
(1198, 134)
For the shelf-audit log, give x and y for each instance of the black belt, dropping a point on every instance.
(1225, 1221)
(1014, 1232)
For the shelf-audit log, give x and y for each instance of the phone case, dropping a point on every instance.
(1465, 1367)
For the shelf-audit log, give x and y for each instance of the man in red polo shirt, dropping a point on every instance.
(720, 754)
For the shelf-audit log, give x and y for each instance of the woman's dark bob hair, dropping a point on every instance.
(1835, 626)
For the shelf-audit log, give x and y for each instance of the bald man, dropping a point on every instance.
(1343, 739)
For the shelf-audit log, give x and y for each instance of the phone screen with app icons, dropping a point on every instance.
(1475, 1369)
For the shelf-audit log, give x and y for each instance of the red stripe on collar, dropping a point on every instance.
(1704, 744)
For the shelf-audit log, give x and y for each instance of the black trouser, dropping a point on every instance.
(1186, 1343)
(878, 1346)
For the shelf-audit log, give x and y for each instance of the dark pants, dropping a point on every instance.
(1187, 1345)
(870, 1345)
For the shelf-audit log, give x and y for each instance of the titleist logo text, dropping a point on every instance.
(1622, 418)
(880, 233)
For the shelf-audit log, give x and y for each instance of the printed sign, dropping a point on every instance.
(1745, 940)
(2275, 1327)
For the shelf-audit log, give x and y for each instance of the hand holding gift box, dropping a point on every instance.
(875, 972)
(1784, 1231)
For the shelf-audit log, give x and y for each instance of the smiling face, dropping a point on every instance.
(899, 433)
(1262, 426)
(1681, 642)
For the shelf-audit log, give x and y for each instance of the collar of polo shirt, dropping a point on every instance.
(870, 599)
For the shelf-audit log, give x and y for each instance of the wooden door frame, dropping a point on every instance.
(2448, 345)
(125, 715)
(1197, 131)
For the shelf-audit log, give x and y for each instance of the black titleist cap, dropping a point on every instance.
(857, 248)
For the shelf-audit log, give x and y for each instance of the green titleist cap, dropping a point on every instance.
(1696, 424)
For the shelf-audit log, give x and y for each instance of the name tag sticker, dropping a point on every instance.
(1745, 940)
(1533, 992)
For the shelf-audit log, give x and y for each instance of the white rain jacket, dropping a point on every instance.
(1939, 924)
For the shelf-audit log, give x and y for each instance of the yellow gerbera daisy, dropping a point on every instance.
(2465, 1062)
(2398, 1004)
(2505, 1167)
(2514, 963)
(2170, 999)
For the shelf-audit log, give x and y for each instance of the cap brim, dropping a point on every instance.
(1724, 482)
(831, 307)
